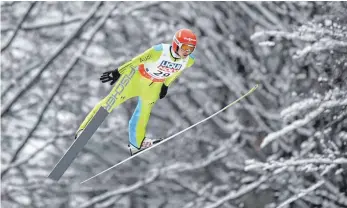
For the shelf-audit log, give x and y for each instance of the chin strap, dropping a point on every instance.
(174, 54)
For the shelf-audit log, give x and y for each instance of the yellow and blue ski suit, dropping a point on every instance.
(143, 76)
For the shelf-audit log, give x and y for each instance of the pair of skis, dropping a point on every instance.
(100, 116)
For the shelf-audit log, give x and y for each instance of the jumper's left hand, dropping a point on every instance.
(163, 91)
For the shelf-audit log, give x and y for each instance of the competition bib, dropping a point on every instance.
(164, 69)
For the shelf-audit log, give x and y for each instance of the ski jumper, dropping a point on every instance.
(142, 77)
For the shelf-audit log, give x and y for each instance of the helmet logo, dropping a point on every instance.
(189, 39)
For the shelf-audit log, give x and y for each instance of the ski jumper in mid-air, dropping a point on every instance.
(148, 77)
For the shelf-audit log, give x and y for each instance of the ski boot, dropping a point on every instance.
(78, 133)
(146, 143)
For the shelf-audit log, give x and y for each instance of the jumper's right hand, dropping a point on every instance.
(112, 76)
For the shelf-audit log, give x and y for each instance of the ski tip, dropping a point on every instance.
(254, 88)
(91, 178)
(85, 181)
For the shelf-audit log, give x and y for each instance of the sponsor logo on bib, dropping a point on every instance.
(167, 66)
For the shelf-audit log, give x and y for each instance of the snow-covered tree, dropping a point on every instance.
(284, 146)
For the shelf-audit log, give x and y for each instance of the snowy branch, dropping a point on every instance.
(200, 192)
(149, 179)
(294, 162)
(301, 122)
(236, 194)
(317, 47)
(301, 194)
(294, 50)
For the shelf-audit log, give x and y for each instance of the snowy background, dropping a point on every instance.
(284, 146)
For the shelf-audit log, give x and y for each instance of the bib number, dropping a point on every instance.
(161, 74)
(158, 74)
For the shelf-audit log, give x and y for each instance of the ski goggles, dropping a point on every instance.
(185, 47)
(188, 48)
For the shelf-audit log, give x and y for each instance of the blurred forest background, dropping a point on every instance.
(284, 146)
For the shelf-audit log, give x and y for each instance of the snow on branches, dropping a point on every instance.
(323, 107)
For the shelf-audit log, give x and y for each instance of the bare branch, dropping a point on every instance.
(8, 43)
(56, 53)
(29, 157)
(76, 18)
(18, 78)
(57, 88)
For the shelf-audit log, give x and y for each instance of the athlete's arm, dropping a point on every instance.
(150, 55)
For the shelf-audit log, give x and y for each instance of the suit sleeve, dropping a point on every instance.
(150, 55)
(171, 79)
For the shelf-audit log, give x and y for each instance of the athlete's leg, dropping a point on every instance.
(139, 120)
(124, 89)
(149, 94)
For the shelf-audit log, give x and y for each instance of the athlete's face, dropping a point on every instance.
(183, 53)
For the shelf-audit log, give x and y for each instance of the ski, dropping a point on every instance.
(78, 144)
(169, 138)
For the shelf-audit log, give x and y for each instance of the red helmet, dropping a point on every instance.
(185, 39)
